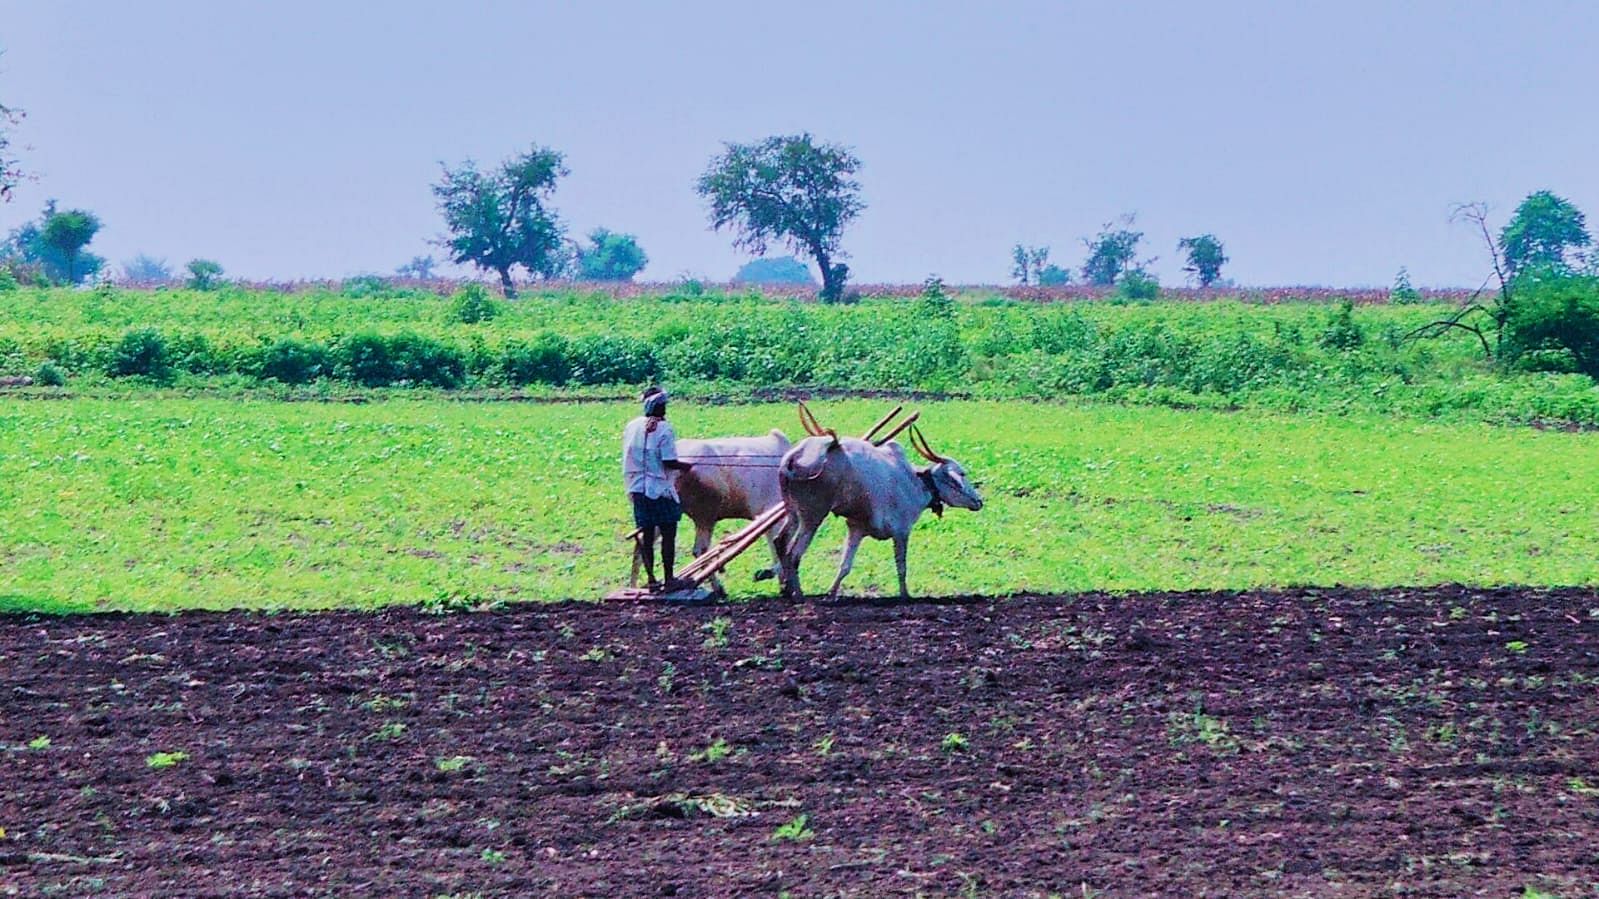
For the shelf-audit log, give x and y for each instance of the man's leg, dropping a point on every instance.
(647, 543)
(668, 550)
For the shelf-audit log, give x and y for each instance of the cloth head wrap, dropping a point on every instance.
(653, 402)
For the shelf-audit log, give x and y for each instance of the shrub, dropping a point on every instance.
(606, 359)
(373, 360)
(1552, 316)
(473, 305)
(363, 287)
(193, 353)
(1342, 332)
(293, 361)
(8, 281)
(543, 360)
(141, 352)
(366, 360)
(49, 375)
(1139, 285)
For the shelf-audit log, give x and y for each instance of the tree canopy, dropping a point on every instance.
(1206, 256)
(1542, 234)
(500, 219)
(1111, 253)
(773, 270)
(788, 189)
(610, 257)
(56, 244)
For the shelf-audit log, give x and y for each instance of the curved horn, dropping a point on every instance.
(809, 422)
(920, 443)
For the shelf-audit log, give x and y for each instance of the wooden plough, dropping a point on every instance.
(704, 569)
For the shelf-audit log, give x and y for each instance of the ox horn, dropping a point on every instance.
(920, 443)
(814, 427)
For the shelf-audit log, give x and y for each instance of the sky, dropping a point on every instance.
(1324, 142)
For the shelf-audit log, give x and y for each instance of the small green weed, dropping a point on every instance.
(713, 753)
(794, 831)
(39, 743)
(1519, 647)
(493, 856)
(824, 746)
(717, 628)
(160, 760)
(391, 730)
(954, 742)
(452, 764)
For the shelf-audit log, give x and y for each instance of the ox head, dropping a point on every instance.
(947, 475)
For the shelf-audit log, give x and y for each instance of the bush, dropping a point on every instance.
(49, 375)
(606, 359)
(473, 305)
(1549, 317)
(1342, 332)
(543, 360)
(141, 352)
(293, 361)
(373, 360)
(8, 281)
(363, 287)
(366, 360)
(1139, 285)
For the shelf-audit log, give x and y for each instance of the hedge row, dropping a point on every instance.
(370, 360)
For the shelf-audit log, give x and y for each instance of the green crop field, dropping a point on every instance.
(161, 502)
(1225, 354)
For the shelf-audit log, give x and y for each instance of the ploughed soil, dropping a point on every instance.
(1433, 742)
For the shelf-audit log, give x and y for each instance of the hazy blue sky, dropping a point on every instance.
(1323, 142)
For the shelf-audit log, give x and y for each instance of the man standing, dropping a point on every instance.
(649, 450)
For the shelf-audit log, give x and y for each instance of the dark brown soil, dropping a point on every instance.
(1436, 742)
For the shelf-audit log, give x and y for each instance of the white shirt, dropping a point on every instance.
(643, 455)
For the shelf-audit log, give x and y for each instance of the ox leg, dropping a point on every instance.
(703, 532)
(798, 540)
(900, 545)
(770, 571)
(851, 544)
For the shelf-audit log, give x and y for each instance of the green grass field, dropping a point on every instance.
(170, 503)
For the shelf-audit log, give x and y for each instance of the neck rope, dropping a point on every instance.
(935, 504)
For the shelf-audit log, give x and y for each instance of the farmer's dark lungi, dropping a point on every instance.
(649, 513)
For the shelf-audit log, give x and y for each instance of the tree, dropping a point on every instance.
(1054, 276)
(146, 269)
(610, 257)
(773, 270)
(499, 220)
(10, 173)
(204, 274)
(787, 189)
(1206, 256)
(1111, 252)
(1027, 263)
(56, 244)
(1542, 234)
(420, 268)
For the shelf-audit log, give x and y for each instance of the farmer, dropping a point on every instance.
(649, 450)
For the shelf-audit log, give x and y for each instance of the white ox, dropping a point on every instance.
(873, 488)
(731, 477)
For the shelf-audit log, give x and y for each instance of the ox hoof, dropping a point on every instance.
(765, 574)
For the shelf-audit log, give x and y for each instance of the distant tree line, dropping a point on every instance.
(1113, 260)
